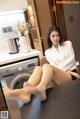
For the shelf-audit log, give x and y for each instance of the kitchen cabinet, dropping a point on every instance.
(3, 106)
(34, 26)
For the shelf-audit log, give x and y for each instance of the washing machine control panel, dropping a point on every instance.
(20, 66)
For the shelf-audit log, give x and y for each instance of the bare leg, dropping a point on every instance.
(40, 89)
(49, 73)
(35, 77)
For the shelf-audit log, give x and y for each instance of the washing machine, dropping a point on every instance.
(16, 73)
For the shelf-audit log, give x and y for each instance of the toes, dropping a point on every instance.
(25, 98)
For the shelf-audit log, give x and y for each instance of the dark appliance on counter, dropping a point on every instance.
(13, 45)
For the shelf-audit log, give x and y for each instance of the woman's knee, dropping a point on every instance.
(38, 68)
(47, 67)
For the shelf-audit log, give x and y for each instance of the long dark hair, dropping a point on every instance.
(51, 29)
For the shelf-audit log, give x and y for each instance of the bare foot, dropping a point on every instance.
(40, 92)
(17, 94)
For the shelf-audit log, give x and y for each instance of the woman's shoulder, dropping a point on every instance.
(47, 51)
(68, 42)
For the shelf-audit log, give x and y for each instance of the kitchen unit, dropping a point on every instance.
(15, 69)
(14, 64)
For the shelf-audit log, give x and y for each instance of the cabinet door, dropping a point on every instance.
(59, 17)
(3, 104)
(34, 25)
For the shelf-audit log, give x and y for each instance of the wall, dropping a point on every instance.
(72, 20)
(8, 5)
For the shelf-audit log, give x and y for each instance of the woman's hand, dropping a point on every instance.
(74, 74)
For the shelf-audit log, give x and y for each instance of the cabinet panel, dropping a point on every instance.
(3, 105)
(34, 25)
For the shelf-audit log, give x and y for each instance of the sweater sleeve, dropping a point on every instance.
(49, 59)
(71, 55)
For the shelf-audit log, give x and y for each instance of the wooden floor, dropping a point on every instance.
(63, 103)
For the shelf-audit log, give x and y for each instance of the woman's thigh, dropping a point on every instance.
(60, 76)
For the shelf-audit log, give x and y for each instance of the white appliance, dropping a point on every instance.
(18, 67)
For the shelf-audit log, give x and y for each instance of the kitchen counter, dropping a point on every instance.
(5, 57)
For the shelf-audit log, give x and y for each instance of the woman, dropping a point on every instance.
(61, 69)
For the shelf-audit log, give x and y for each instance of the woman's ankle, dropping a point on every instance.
(41, 87)
(26, 84)
(41, 93)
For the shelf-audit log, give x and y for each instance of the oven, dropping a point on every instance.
(16, 73)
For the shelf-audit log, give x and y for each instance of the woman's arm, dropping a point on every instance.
(71, 56)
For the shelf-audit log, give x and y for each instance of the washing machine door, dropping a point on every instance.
(18, 81)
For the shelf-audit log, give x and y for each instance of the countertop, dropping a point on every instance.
(5, 57)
